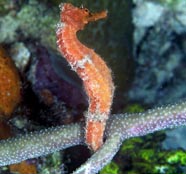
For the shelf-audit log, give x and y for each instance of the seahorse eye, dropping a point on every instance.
(86, 10)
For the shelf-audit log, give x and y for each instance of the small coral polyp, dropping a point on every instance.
(10, 85)
(93, 71)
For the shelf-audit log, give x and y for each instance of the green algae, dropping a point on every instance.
(51, 164)
(145, 154)
(134, 108)
(111, 168)
(39, 22)
(4, 6)
(177, 157)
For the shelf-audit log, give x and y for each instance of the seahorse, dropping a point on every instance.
(96, 76)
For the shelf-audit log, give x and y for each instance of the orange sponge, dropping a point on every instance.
(9, 85)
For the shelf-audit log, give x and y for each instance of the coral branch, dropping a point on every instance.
(101, 157)
(40, 143)
(152, 120)
(119, 128)
(124, 126)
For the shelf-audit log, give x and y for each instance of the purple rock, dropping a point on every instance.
(52, 76)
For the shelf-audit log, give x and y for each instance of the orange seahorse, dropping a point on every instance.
(93, 71)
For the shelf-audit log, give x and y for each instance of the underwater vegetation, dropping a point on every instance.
(146, 155)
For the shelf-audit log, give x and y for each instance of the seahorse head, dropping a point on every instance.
(78, 17)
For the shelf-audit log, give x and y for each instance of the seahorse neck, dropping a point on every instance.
(78, 50)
